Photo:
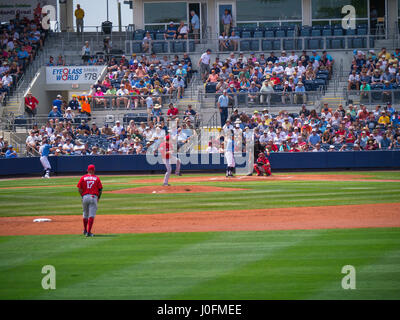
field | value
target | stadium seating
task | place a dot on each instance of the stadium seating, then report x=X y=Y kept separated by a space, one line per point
x=314 y=37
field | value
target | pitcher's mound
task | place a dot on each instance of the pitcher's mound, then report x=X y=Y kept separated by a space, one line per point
x=174 y=189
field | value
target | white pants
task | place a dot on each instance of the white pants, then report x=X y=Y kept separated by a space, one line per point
x=230 y=159
x=167 y=163
x=89 y=204
x=45 y=162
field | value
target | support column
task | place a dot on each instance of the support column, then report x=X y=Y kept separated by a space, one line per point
x=306 y=12
x=138 y=14
x=66 y=16
x=392 y=12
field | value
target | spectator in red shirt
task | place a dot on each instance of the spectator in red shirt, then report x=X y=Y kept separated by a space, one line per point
x=363 y=113
x=172 y=112
x=275 y=79
x=31 y=105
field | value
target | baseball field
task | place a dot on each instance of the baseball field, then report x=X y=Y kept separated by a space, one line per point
x=205 y=237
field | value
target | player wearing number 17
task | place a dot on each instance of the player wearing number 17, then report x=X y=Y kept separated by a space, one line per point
x=90 y=189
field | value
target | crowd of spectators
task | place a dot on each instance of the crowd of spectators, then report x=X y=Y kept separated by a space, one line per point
x=88 y=138
x=146 y=82
x=375 y=71
x=260 y=76
x=20 y=40
x=334 y=129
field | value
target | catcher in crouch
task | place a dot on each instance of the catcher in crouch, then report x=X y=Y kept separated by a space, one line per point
x=262 y=165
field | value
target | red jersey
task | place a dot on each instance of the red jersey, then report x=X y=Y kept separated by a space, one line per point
x=341 y=132
x=164 y=148
x=172 y=112
x=263 y=160
x=90 y=184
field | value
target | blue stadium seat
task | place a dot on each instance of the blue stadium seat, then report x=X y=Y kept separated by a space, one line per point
x=288 y=44
x=241 y=97
x=362 y=32
x=309 y=85
x=136 y=47
x=350 y=32
x=322 y=75
x=245 y=45
x=290 y=33
x=320 y=82
x=254 y=45
x=191 y=46
x=158 y=47
x=371 y=42
x=266 y=45
x=178 y=46
x=337 y=32
x=314 y=43
x=305 y=32
x=323 y=72
x=258 y=34
x=276 y=45
x=269 y=34
x=326 y=32
x=280 y=33
x=358 y=43
x=246 y=34
x=138 y=35
x=159 y=36
x=315 y=32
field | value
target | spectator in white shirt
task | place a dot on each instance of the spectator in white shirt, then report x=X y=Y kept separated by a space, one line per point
x=293 y=57
x=183 y=31
x=79 y=147
x=68 y=147
x=122 y=93
x=289 y=69
x=283 y=58
x=211 y=148
x=117 y=128
x=278 y=69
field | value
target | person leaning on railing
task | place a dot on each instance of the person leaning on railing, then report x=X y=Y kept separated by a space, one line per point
x=111 y=92
x=365 y=91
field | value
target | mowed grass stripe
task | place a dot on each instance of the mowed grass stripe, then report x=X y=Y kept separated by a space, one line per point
x=167 y=275
x=220 y=265
x=89 y=260
x=56 y=201
x=307 y=270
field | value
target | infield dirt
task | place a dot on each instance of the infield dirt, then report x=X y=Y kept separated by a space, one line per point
x=328 y=217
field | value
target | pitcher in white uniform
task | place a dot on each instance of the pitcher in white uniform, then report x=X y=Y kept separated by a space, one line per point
x=229 y=149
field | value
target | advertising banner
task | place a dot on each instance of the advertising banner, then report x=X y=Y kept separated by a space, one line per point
x=73 y=74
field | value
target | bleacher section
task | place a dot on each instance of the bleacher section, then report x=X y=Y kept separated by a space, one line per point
x=267 y=39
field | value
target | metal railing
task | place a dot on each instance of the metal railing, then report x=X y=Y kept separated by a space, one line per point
x=296 y=43
x=373 y=96
x=137 y=102
x=24 y=124
x=273 y=99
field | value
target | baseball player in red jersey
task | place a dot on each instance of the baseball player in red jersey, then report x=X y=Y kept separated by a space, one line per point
x=166 y=151
x=262 y=165
x=90 y=188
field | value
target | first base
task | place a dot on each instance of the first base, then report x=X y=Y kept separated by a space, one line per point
x=42 y=220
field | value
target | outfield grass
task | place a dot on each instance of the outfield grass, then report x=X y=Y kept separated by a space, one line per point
x=218 y=265
x=62 y=197
x=301 y=264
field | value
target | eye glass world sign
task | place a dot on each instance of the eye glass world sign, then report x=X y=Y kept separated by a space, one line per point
x=73 y=74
